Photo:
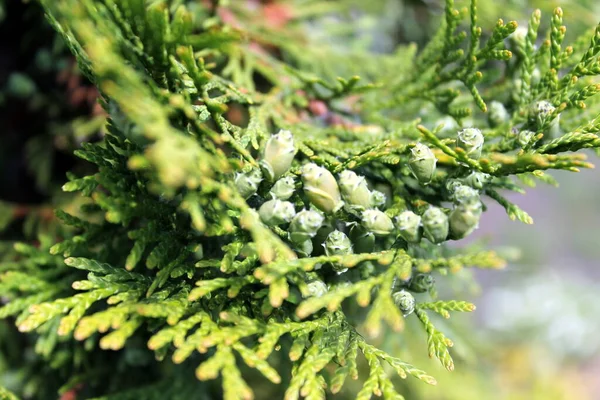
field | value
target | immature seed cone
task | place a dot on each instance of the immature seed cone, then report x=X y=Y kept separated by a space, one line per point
x=452 y=185
x=284 y=188
x=278 y=155
x=541 y=112
x=378 y=199
x=377 y=222
x=338 y=244
x=404 y=301
x=421 y=283
x=526 y=138
x=276 y=212
x=363 y=241
x=355 y=190
x=449 y=125
x=497 y=114
x=316 y=288
x=304 y=226
x=409 y=226
x=435 y=225
x=305 y=249
x=247 y=182
x=519 y=35
x=464 y=219
x=321 y=188
x=466 y=195
x=422 y=163
x=470 y=140
x=476 y=179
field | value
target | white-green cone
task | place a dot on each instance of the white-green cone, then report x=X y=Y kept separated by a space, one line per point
x=305 y=249
x=338 y=244
x=404 y=301
x=278 y=155
x=316 y=288
x=471 y=141
x=377 y=222
x=497 y=114
x=247 y=183
x=355 y=190
x=464 y=219
x=452 y=185
x=519 y=35
x=409 y=226
x=378 y=199
x=304 y=226
x=465 y=195
x=421 y=283
x=435 y=225
x=276 y=212
x=422 y=163
x=477 y=179
x=321 y=188
x=284 y=188
x=526 y=138
x=542 y=111
x=449 y=124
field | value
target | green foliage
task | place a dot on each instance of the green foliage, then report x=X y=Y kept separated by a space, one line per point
x=166 y=247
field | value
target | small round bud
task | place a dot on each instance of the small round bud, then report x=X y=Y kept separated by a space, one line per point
x=276 y=212
x=355 y=190
x=497 y=114
x=378 y=199
x=305 y=249
x=409 y=226
x=377 y=222
x=421 y=283
x=321 y=188
x=247 y=183
x=283 y=189
x=337 y=244
x=404 y=301
x=543 y=108
x=519 y=34
x=526 y=138
x=541 y=112
x=363 y=241
x=463 y=220
x=278 y=155
x=304 y=226
x=435 y=225
x=471 y=141
x=464 y=194
x=452 y=185
x=477 y=179
x=449 y=124
x=316 y=288
x=422 y=163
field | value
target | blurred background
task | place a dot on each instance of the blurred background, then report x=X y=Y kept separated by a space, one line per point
x=536 y=325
